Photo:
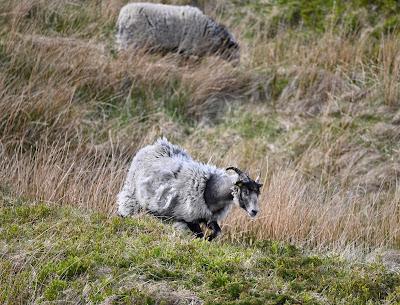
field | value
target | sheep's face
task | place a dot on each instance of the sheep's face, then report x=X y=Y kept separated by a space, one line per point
x=227 y=46
x=230 y=50
x=247 y=193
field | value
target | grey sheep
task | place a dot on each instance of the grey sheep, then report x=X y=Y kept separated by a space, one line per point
x=166 y=182
x=172 y=28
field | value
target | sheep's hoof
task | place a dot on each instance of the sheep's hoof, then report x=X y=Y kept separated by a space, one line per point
x=199 y=235
x=211 y=237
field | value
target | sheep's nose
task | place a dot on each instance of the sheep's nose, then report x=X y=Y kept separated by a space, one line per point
x=254 y=212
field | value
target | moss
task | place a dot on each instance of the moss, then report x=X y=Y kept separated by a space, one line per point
x=54 y=289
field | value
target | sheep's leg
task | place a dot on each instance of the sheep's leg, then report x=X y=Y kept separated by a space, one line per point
x=195 y=228
x=186 y=226
x=127 y=203
x=216 y=230
x=181 y=226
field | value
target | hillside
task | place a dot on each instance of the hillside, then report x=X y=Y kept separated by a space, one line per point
x=59 y=255
x=313 y=104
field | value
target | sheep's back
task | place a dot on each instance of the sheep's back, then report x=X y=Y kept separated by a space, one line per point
x=168 y=182
x=167 y=27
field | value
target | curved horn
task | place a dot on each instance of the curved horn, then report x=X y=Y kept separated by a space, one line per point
x=238 y=171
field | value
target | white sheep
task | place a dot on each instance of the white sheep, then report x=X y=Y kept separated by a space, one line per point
x=172 y=28
x=166 y=182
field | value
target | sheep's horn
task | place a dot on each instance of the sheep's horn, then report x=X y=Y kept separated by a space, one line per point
x=238 y=171
x=258 y=177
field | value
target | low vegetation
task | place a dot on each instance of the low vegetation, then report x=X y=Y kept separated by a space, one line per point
x=313 y=104
x=52 y=254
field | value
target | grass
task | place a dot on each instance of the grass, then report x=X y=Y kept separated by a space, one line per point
x=52 y=253
x=306 y=106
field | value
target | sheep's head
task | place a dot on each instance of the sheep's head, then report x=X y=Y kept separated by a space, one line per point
x=226 y=45
x=231 y=50
x=246 y=192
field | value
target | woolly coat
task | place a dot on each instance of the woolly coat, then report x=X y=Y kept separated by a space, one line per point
x=164 y=180
x=171 y=28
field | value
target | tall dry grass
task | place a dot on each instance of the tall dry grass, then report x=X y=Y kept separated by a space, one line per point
x=60 y=174
x=72 y=114
x=293 y=209
x=322 y=217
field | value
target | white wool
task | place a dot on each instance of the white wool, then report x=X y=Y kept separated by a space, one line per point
x=171 y=28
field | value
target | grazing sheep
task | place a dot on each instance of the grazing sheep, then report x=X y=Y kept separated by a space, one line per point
x=166 y=182
x=171 y=28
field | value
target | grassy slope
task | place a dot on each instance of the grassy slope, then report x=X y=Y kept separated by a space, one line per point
x=57 y=253
x=68 y=128
x=73 y=111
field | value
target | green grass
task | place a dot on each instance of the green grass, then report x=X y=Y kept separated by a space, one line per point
x=317 y=16
x=52 y=253
x=252 y=125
